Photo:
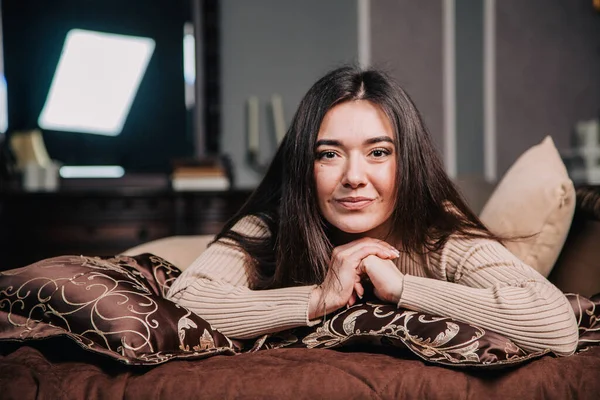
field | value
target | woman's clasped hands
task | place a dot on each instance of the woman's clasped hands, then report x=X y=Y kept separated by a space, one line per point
x=350 y=265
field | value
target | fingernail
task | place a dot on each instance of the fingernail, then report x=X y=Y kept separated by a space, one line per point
x=347 y=306
x=359 y=296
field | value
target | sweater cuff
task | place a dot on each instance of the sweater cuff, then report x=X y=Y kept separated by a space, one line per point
x=400 y=295
x=416 y=290
x=311 y=322
x=293 y=307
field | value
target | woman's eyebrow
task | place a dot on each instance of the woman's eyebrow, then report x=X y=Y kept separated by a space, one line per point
x=337 y=143
x=328 y=142
x=379 y=139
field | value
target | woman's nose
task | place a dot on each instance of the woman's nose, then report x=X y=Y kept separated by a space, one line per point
x=355 y=174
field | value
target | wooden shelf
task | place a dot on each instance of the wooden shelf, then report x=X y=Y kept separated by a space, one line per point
x=34 y=226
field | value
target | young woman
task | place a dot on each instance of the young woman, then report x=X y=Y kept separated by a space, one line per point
x=357 y=195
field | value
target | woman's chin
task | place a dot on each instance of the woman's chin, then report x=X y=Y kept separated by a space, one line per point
x=355 y=229
x=361 y=228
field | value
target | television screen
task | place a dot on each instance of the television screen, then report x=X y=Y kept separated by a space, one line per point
x=102 y=79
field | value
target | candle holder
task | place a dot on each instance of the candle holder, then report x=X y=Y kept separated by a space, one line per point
x=253 y=129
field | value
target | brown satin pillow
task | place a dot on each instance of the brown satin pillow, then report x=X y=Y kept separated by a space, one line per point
x=437 y=340
x=112 y=306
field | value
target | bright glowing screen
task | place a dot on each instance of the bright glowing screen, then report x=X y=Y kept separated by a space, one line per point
x=91 y=171
x=3 y=105
x=95 y=82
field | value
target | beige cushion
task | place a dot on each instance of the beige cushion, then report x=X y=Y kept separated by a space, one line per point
x=180 y=251
x=535 y=196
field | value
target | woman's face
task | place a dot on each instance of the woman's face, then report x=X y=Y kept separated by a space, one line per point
x=355 y=169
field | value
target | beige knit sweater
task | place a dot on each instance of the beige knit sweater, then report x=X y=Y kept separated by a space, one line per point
x=477 y=281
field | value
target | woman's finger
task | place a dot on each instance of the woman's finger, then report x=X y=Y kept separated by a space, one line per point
x=350 y=248
x=359 y=290
x=352 y=299
x=371 y=250
x=366 y=240
x=386 y=278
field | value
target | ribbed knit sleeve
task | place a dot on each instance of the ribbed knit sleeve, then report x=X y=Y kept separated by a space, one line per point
x=216 y=288
x=482 y=283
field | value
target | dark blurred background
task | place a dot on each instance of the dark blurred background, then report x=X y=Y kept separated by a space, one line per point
x=491 y=77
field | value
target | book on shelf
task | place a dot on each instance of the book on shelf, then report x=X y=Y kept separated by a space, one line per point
x=193 y=173
x=200 y=174
x=200 y=184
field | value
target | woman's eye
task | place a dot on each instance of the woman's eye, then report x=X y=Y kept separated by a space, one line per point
x=378 y=153
x=326 y=155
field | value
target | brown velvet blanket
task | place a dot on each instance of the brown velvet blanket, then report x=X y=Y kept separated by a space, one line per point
x=290 y=373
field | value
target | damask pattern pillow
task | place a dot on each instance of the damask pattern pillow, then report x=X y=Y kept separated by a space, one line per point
x=438 y=340
x=435 y=339
x=587 y=314
x=112 y=306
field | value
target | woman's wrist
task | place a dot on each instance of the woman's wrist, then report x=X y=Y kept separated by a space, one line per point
x=315 y=304
x=321 y=304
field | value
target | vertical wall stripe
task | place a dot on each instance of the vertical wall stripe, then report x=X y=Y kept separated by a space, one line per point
x=1 y=43
x=489 y=90
x=468 y=50
x=364 y=33
x=198 y=124
x=449 y=56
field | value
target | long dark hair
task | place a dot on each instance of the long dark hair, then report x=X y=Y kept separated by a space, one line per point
x=428 y=209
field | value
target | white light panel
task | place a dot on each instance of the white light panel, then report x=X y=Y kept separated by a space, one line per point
x=3 y=105
x=189 y=58
x=189 y=65
x=95 y=82
x=91 y=171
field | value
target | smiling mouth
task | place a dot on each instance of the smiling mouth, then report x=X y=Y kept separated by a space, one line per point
x=354 y=203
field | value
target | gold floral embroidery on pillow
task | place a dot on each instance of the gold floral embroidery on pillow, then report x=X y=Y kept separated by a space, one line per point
x=114 y=306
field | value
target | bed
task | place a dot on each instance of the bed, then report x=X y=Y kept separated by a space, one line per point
x=30 y=373
x=77 y=327
x=85 y=327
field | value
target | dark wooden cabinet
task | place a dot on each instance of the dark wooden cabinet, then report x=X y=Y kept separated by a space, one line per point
x=34 y=226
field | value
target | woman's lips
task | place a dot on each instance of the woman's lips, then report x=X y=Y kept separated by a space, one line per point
x=354 y=203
